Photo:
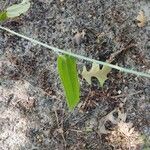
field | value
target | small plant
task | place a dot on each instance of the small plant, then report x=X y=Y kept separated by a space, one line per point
x=66 y=63
x=15 y=10
x=69 y=78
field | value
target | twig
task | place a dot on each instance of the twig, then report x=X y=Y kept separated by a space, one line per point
x=57 y=50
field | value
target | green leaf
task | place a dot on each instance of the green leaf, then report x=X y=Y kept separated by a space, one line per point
x=3 y=16
x=18 y=9
x=100 y=74
x=69 y=78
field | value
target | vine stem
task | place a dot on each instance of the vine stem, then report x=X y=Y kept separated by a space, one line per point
x=57 y=50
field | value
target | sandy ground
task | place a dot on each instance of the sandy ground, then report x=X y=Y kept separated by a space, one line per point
x=33 y=111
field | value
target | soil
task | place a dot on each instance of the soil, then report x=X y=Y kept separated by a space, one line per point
x=33 y=111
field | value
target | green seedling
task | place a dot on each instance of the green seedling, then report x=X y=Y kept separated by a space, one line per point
x=3 y=16
x=67 y=70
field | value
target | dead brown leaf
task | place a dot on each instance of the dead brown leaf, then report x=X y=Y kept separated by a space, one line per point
x=142 y=19
x=78 y=37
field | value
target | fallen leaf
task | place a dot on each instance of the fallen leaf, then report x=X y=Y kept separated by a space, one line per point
x=78 y=37
x=142 y=19
x=100 y=74
x=18 y=9
x=108 y=117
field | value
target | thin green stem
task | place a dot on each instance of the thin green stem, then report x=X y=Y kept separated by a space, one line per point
x=57 y=50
